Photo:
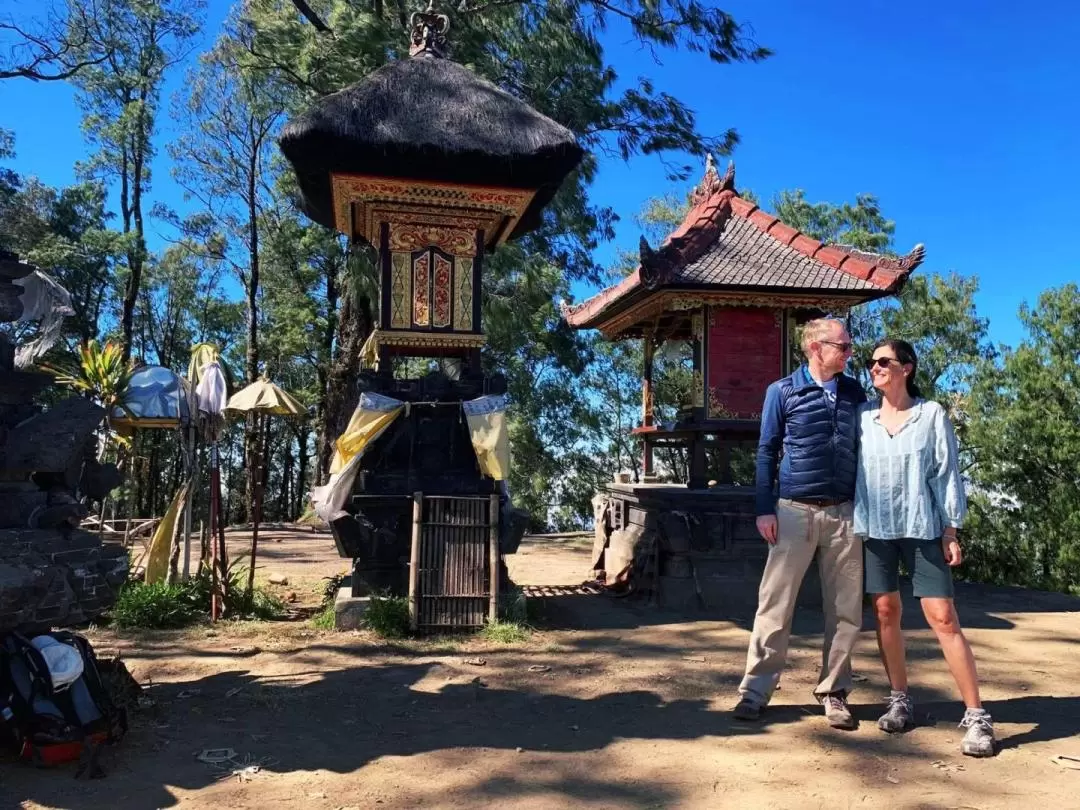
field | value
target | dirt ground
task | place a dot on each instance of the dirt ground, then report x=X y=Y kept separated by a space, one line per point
x=610 y=704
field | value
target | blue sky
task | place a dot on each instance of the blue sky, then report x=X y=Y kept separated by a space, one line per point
x=961 y=116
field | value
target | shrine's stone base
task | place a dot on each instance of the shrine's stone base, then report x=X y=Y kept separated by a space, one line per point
x=686 y=549
x=50 y=578
x=349 y=610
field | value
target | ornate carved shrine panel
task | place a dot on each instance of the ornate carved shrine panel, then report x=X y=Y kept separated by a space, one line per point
x=744 y=354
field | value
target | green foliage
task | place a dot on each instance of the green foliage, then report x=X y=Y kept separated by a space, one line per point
x=1024 y=437
x=937 y=315
x=155 y=606
x=387 y=616
x=861 y=225
x=103 y=374
x=324 y=619
x=506 y=632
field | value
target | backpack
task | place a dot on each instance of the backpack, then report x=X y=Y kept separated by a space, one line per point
x=48 y=726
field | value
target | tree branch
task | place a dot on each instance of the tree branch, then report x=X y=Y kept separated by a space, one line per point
x=312 y=17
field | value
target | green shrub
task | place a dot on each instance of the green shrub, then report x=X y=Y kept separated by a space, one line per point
x=155 y=605
x=324 y=619
x=161 y=606
x=503 y=632
x=388 y=616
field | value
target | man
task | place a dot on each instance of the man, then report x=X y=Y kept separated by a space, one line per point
x=811 y=415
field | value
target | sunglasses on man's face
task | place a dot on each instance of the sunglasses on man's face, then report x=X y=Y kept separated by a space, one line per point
x=882 y=362
x=844 y=347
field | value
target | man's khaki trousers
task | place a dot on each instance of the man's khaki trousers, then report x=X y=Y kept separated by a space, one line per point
x=801 y=530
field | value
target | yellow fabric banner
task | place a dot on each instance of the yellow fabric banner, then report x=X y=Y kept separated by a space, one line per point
x=157 y=558
x=364 y=427
x=490 y=435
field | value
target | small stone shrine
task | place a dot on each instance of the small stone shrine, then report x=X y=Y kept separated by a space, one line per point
x=431 y=167
x=51 y=572
x=736 y=284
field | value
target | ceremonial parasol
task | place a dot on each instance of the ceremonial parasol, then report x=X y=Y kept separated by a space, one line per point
x=262 y=398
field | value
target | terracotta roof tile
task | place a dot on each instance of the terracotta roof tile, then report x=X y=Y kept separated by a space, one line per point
x=746 y=256
x=726 y=242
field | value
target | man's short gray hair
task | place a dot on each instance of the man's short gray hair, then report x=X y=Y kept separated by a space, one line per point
x=817 y=329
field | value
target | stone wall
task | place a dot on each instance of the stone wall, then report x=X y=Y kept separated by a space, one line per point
x=50 y=579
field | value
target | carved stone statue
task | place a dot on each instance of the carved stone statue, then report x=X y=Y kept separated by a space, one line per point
x=51 y=572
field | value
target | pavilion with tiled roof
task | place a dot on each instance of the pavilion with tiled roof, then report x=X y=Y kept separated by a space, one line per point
x=736 y=282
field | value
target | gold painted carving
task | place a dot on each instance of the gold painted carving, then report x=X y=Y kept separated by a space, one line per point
x=421 y=306
x=379 y=199
x=449 y=340
x=697 y=393
x=717 y=409
x=441 y=280
x=697 y=325
x=399 y=291
x=463 y=294
x=407 y=237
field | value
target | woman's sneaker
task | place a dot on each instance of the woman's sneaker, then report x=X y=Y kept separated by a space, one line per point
x=837 y=712
x=900 y=714
x=979 y=738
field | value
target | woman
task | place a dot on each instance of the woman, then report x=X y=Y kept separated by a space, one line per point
x=909 y=502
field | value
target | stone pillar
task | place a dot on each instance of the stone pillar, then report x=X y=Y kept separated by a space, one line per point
x=51 y=572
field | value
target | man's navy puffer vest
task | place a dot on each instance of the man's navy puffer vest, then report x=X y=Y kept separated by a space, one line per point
x=820 y=443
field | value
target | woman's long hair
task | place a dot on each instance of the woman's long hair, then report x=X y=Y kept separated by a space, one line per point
x=905 y=354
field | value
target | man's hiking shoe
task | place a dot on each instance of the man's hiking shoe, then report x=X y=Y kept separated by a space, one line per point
x=979 y=738
x=836 y=710
x=747 y=709
x=900 y=714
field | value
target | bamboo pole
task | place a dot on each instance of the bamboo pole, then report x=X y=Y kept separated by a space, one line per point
x=414 y=560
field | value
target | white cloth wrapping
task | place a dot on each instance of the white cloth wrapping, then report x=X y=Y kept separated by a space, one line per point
x=211 y=392
x=45 y=301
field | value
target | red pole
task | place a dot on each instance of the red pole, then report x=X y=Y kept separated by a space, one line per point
x=215 y=496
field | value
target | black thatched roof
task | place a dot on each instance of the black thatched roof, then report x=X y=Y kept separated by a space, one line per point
x=428 y=118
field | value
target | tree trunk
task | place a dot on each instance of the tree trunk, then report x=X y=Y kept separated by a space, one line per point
x=251 y=435
x=354 y=326
x=285 y=485
x=300 y=495
x=136 y=255
x=324 y=439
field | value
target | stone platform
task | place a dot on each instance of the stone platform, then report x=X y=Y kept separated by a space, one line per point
x=691 y=548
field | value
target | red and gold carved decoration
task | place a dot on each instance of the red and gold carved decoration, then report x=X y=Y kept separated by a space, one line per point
x=463 y=294
x=440 y=292
x=744 y=355
x=362 y=203
x=399 y=291
x=697 y=391
x=421 y=303
x=409 y=237
x=441 y=340
x=634 y=320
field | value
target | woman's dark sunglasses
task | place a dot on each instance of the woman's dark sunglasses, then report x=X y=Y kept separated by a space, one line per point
x=882 y=362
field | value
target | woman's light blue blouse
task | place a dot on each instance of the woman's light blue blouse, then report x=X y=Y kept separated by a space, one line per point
x=908 y=485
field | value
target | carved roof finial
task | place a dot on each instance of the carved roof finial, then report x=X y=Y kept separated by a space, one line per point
x=428 y=32
x=712 y=183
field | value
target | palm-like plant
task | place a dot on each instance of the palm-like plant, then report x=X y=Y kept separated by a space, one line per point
x=101 y=374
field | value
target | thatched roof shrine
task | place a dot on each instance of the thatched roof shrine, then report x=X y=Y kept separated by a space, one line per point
x=428 y=118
